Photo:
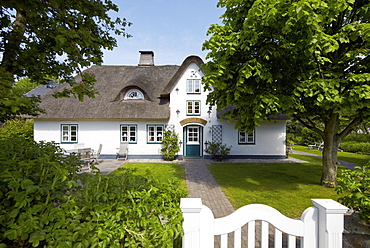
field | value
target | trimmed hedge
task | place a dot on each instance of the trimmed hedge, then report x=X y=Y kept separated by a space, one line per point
x=356 y=143
x=355 y=147
x=365 y=138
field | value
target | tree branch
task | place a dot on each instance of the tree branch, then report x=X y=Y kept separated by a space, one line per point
x=11 y=48
x=355 y=122
x=311 y=126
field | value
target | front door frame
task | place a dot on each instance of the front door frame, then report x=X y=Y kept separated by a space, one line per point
x=191 y=148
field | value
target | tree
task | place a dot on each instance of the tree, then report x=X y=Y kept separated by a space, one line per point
x=43 y=39
x=308 y=59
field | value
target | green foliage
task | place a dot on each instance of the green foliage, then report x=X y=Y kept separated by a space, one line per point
x=13 y=101
x=357 y=143
x=77 y=31
x=218 y=151
x=170 y=145
x=25 y=85
x=310 y=137
x=45 y=203
x=365 y=138
x=356 y=147
x=355 y=186
x=308 y=59
x=17 y=128
x=294 y=138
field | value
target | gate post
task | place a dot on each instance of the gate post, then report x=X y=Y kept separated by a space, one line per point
x=191 y=208
x=331 y=222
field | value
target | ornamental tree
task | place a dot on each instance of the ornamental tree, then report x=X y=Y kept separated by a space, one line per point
x=43 y=39
x=308 y=59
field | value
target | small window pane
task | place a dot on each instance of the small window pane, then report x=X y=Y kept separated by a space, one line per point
x=190 y=107
x=196 y=86
x=190 y=86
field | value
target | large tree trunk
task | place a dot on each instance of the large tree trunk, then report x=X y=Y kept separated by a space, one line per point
x=329 y=162
x=330 y=151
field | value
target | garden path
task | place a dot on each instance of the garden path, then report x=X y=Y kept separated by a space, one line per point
x=348 y=165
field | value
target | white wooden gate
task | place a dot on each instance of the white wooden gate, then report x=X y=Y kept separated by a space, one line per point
x=319 y=227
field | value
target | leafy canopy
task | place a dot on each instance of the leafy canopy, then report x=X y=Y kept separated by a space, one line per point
x=306 y=58
x=54 y=38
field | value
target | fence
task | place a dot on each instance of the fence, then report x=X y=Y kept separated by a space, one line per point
x=319 y=227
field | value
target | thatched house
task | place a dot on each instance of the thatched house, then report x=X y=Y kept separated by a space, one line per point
x=137 y=103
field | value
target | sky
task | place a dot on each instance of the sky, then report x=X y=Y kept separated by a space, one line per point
x=172 y=29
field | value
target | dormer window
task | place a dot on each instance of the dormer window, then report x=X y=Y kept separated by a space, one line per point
x=134 y=95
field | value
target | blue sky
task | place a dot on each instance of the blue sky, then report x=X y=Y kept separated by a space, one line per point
x=173 y=29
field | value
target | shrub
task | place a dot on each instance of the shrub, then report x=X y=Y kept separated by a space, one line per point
x=45 y=203
x=310 y=137
x=17 y=128
x=294 y=138
x=217 y=151
x=170 y=145
x=356 y=187
x=365 y=138
x=355 y=147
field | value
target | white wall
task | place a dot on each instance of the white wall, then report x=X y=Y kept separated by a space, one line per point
x=93 y=133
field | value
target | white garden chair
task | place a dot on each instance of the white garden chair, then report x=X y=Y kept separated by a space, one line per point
x=122 y=150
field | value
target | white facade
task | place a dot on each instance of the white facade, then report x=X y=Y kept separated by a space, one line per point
x=269 y=137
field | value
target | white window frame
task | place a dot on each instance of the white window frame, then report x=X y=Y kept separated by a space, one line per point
x=245 y=138
x=155 y=133
x=192 y=105
x=128 y=133
x=69 y=133
x=193 y=86
x=190 y=138
x=134 y=94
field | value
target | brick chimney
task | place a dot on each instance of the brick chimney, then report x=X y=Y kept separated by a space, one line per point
x=146 y=58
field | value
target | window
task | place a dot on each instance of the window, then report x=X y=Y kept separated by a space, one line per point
x=246 y=138
x=193 y=107
x=129 y=133
x=134 y=95
x=193 y=135
x=155 y=133
x=69 y=133
x=193 y=86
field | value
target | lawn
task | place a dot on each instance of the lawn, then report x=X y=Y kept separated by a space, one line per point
x=288 y=187
x=161 y=171
x=359 y=159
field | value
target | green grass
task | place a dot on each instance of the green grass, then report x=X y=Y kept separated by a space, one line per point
x=288 y=187
x=160 y=171
x=359 y=159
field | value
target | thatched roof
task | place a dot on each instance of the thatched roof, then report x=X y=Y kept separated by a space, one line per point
x=112 y=82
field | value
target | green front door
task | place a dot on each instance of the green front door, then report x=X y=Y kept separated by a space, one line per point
x=193 y=139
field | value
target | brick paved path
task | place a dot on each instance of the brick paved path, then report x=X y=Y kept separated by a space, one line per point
x=201 y=184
